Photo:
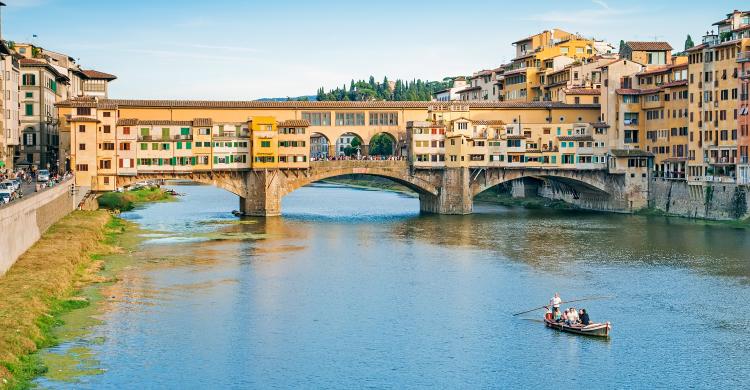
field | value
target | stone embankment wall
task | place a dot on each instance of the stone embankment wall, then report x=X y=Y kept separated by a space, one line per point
x=710 y=201
x=23 y=222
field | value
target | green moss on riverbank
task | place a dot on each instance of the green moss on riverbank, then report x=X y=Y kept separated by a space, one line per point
x=44 y=284
x=126 y=201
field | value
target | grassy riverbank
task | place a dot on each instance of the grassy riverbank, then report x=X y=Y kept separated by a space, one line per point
x=126 y=201
x=44 y=283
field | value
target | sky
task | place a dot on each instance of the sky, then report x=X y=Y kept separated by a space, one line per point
x=243 y=50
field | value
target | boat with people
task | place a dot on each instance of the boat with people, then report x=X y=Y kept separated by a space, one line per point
x=593 y=329
x=571 y=320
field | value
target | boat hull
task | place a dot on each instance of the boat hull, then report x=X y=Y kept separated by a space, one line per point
x=593 y=330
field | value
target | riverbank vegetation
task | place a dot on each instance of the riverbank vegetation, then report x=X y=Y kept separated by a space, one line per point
x=44 y=283
x=127 y=200
x=504 y=198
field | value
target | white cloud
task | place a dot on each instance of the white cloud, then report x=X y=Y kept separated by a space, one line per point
x=601 y=3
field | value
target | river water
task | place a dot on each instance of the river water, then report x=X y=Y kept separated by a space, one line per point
x=353 y=288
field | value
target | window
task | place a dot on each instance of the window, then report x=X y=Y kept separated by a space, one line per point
x=81 y=128
x=124 y=146
x=81 y=146
x=185 y=131
x=350 y=119
x=29 y=95
x=29 y=109
x=126 y=130
x=28 y=79
x=265 y=144
x=144 y=146
x=105 y=164
x=107 y=129
x=83 y=111
x=106 y=114
x=82 y=167
x=144 y=132
x=317 y=118
x=30 y=140
x=108 y=146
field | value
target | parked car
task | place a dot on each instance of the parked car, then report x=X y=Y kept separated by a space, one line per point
x=7 y=186
x=11 y=184
x=18 y=183
x=5 y=196
x=42 y=175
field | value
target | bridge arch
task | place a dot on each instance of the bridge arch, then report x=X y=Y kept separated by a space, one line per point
x=231 y=181
x=398 y=171
x=589 y=181
x=375 y=149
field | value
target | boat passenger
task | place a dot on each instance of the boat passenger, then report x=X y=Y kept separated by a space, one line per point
x=555 y=301
x=585 y=320
x=572 y=316
x=556 y=315
x=564 y=316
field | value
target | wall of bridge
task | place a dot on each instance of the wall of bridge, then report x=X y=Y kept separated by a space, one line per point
x=23 y=222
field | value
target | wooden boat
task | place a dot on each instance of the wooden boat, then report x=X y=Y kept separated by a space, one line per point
x=595 y=330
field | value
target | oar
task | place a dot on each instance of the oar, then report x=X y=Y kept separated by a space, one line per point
x=570 y=301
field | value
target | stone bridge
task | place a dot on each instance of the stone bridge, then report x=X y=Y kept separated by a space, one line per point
x=441 y=191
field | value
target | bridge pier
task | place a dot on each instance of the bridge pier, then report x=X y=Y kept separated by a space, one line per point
x=455 y=194
x=263 y=194
x=524 y=187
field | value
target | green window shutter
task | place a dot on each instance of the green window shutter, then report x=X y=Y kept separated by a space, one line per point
x=216 y=160
x=165 y=133
x=144 y=132
x=193 y=160
x=173 y=160
x=179 y=145
x=188 y=145
x=154 y=146
x=29 y=109
x=161 y=162
x=144 y=146
x=185 y=131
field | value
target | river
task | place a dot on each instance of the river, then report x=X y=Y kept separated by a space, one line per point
x=353 y=288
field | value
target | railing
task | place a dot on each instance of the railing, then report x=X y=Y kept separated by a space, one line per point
x=743 y=56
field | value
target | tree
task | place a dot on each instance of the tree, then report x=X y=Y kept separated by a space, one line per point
x=622 y=46
x=689 y=42
x=381 y=145
x=354 y=145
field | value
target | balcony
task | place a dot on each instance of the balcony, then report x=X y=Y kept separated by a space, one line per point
x=630 y=122
x=743 y=56
x=183 y=137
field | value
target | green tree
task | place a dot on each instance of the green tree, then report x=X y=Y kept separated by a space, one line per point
x=689 y=42
x=622 y=46
x=381 y=145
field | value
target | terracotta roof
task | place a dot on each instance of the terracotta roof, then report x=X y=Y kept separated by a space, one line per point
x=661 y=69
x=301 y=105
x=106 y=106
x=575 y=138
x=83 y=119
x=630 y=153
x=203 y=122
x=35 y=62
x=600 y=125
x=294 y=123
x=515 y=71
x=492 y=122
x=648 y=46
x=127 y=122
x=678 y=83
x=628 y=91
x=470 y=89
x=96 y=75
x=156 y=123
x=583 y=91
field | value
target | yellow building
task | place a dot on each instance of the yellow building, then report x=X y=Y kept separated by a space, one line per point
x=524 y=78
x=265 y=142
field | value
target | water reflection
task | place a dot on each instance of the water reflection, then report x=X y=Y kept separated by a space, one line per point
x=355 y=289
